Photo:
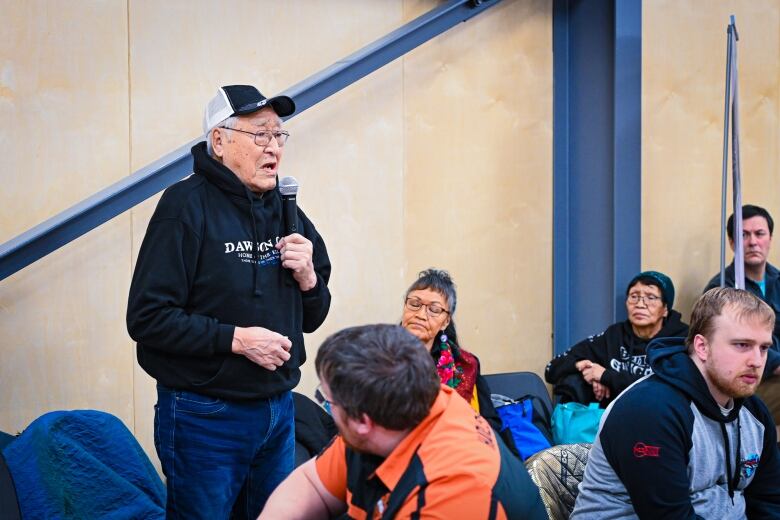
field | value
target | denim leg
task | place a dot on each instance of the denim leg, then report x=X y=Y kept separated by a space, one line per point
x=206 y=446
x=273 y=461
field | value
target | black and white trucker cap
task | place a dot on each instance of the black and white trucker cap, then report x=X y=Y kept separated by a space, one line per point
x=238 y=100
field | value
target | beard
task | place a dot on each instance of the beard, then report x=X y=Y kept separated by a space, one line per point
x=349 y=441
x=733 y=387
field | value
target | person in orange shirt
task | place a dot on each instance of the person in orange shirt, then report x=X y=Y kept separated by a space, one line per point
x=408 y=446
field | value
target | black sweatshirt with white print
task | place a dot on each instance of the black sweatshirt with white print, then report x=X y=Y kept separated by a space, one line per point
x=618 y=350
x=207 y=265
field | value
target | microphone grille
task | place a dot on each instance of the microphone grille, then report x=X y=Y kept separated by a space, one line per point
x=288 y=186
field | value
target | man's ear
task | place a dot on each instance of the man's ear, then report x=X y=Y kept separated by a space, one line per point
x=364 y=425
x=217 y=141
x=701 y=347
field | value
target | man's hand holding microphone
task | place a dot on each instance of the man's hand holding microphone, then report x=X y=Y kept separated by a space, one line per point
x=265 y=347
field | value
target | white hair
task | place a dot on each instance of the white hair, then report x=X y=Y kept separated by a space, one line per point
x=230 y=122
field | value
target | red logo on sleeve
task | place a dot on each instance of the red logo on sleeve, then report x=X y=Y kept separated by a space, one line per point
x=645 y=450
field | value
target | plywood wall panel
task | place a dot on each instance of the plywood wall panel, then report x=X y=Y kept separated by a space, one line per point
x=478 y=179
x=64 y=113
x=63 y=103
x=64 y=344
x=683 y=54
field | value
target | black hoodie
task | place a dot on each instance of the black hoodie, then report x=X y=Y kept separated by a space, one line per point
x=207 y=265
x=618 y=350
x=666 y=450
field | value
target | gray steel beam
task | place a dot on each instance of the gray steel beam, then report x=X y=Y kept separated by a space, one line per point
x=597 y=177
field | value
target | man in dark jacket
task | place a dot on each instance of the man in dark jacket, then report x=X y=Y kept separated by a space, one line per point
x=219 y=302
x=602 y=366
x=763 y=280
x=691 y=440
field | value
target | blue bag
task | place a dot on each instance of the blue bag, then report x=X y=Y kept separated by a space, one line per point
x=575 y=422
x=518 y=416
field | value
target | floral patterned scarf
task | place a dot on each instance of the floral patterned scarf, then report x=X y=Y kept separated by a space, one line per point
x=456 y=367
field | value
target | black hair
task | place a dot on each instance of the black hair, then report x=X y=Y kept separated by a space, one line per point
x=437 y=280
x=750 y=211
x=440 y=281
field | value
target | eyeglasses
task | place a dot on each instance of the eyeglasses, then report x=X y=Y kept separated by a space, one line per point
x=434 y=309
x=263 y=138
x=649 y=299
x=319 y=395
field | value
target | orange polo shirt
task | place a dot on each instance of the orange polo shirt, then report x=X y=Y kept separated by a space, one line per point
x=449 y=466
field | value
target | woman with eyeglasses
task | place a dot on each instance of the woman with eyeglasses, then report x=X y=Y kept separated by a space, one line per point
x=601 y=366
x=429 y=306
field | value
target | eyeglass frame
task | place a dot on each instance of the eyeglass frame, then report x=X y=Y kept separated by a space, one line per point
x=275 y=135
x=426 y=305
x=326 y=403
x=648 y=299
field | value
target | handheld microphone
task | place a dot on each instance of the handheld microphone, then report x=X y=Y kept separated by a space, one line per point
x=288 y=187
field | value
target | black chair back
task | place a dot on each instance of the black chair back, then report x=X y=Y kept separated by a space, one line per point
x=518 y=384
x=314 y=428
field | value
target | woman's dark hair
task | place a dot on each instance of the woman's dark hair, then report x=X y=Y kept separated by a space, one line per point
x=437 y=280
x=440 y=281
x=380 y=371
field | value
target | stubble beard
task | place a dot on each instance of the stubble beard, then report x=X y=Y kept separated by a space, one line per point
x=734 y=388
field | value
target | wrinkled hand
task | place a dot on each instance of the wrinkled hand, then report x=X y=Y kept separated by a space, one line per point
x=262 y=346
x=601 y=391
x=297 y=251
x=593 y=373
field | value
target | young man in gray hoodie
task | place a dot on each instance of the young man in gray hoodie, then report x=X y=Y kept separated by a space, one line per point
x=691 y=440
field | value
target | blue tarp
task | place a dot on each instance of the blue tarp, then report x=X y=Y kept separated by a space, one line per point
x=83 y=464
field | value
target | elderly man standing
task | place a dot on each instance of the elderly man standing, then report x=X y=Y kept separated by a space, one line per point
x=691 y=440
x=219 y=302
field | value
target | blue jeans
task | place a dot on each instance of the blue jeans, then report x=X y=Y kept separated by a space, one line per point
x=222 y=459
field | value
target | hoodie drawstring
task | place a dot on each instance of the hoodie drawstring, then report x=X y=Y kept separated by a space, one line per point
x=255 y=245
x=732 y=479
x=737 y=465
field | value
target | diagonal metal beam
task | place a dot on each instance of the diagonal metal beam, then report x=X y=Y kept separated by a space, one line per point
x=88 y=214
x=375 y=55
x=101 y=207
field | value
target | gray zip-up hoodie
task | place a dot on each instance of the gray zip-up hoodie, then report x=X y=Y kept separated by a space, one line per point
x=665 y=450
